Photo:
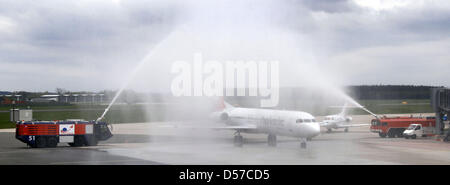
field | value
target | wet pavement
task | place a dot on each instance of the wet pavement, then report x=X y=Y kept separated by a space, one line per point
x=162 y=143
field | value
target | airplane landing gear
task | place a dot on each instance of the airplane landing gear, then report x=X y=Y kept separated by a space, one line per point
x=238 y=139
x=346 y=130
x=303 y=143
x=272 y=140
x=329 y=130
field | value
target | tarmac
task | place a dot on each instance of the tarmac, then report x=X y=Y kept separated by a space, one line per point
x=168 y=143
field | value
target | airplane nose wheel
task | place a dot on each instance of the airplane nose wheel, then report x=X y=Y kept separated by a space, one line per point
x=238 y=139
x=272 y=140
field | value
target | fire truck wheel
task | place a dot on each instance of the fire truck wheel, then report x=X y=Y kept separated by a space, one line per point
x=52 y=141
x=40 y=142
x=91 y=141
x=78 y=141
x=390 y=134
x=383 y=135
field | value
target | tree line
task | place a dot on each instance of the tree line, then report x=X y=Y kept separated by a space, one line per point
x=389 y=92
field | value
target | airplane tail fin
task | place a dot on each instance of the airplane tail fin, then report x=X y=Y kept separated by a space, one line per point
x=344 y=110
x=224 y=105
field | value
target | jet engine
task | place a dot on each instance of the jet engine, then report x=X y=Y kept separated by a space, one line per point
x=348 y=119
x=220 y=116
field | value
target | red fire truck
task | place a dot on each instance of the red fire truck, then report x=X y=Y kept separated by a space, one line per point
x=41 y=134
x=394 y=126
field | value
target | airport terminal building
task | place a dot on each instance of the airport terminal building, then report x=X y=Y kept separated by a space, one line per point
x=71 y=98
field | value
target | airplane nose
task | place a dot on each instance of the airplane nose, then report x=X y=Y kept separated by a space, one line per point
x=309 y=130
x=314 y=129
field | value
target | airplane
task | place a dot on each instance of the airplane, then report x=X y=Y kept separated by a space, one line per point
x=266 y=121
x=337 y=121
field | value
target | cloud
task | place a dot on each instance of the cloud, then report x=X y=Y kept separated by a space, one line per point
x=88 y=43
x=412 y=63
x=330 y=6
x=64 y=38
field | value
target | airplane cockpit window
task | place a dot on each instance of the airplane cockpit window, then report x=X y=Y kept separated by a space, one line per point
x=299 y=121
x=307 y=120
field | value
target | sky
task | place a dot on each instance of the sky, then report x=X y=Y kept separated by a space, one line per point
x=91 y=45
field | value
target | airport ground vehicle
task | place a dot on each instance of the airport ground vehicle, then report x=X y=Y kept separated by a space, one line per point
x=41 y=134
x=415 y=130
x=395 y=126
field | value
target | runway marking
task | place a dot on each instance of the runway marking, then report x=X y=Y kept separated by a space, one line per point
x=93 y=162
x=8 y=130
x=5 y=152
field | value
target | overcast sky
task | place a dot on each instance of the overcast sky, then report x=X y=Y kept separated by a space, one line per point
x=94 y=44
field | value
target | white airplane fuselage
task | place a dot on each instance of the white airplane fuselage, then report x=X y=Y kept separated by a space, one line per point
x=273 y=122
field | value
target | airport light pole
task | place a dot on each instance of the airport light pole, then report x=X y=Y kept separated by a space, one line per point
x=13 y=111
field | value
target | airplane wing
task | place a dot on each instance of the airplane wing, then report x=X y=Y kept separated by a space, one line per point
x=202 y=125
x=236 y=127
x=323 y=123
x=351 y=125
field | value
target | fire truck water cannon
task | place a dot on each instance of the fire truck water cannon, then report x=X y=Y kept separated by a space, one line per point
x=76 y=133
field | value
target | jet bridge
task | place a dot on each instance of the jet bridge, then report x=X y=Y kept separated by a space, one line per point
x=440 y=100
